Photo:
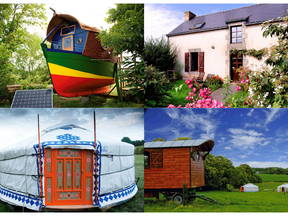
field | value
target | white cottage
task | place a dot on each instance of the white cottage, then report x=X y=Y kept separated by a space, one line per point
x=67 y=171
x=204 y=42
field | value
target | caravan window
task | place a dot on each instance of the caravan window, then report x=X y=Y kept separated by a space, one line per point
x=68 y=30
x=157 y=158
x=146 y=159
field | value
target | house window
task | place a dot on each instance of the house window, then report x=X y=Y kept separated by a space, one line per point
x=236 y=34
x=194 y=61
x=146 y=160
x=68 y=30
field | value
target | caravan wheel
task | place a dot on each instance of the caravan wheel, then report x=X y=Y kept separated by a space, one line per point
x=178 y=198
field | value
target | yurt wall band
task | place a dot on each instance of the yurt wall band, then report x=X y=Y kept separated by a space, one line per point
x=110 y=181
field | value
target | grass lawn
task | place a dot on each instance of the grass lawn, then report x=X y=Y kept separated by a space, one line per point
x=274 y=177
x=136 y=204
x=229 y=202
x=92 y=101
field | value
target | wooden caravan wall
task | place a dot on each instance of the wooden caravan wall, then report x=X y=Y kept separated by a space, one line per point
x=94 y=49
x=197 y=171
x=175 y=172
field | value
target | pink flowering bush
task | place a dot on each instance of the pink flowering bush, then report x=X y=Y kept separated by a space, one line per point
x=199 y=97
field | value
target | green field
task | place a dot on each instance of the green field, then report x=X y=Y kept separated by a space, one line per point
x=267 y=200
x=274 y=177
x=136 y=204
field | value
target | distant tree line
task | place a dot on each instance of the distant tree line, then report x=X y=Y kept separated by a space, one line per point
x=133 y=142
x=271 y=170
x=220 y=174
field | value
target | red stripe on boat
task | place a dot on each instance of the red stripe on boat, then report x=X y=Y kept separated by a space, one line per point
x=67 y=86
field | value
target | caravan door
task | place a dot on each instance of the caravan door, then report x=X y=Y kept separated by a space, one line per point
x=68 y=177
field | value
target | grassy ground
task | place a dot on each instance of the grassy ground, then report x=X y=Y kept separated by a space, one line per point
x=92 y=101
x=267 y=200
x=136 y=204
x=228 y=202
x=274 y=177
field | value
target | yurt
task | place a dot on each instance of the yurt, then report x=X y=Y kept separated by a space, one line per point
x=64 y=168
x=249 y=188
x=282 y=188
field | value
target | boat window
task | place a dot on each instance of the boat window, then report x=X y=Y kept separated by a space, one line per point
x=68 y=30
x=67 y=43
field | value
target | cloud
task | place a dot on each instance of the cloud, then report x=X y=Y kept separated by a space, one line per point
x=261 y=164
x=271 y=115
x=250 y=113
x=187 y=118
x=247 y=139
x=159 y=21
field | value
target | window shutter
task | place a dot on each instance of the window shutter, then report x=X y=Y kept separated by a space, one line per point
x=187 y=62
x=201 y=61
x=157 y=158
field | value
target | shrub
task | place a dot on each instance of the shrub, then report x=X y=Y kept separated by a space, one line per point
x=159 y=54
x=214 y=82
x=156 y=87
x=269 y=87
x=199 y=97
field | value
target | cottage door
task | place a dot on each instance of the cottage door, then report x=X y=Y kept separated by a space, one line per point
x=197 y=170
x=236 y=62
x=68 y=176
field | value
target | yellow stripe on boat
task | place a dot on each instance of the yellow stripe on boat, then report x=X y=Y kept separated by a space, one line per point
x=64 y=71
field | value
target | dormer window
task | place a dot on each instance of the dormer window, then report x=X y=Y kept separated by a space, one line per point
x=236 y=34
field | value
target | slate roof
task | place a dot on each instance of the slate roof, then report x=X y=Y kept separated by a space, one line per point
x=179 y=143
x=251 y=15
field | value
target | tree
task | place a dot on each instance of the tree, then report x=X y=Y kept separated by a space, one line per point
x=15 y=18
x=158 y=139
x=182 y=138
x=220 y=172
x=127 y=32
x=159 y=54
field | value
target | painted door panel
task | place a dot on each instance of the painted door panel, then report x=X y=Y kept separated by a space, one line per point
x=68 y=177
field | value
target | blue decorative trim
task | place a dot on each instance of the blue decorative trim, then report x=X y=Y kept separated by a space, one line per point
x=117 y=194
x=20 y=198
x=51 y=143
x=97 y=172
x=68 y=137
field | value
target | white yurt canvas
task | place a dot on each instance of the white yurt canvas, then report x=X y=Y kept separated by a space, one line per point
x=282 y=188
x=249 y=188
x=67 y=152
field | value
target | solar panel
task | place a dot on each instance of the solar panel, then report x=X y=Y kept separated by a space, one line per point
x=42 y=98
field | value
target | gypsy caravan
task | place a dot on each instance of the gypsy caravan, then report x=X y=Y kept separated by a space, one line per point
x=172 y=165
x=68 y=170
x=77 y=62
x=249 y=188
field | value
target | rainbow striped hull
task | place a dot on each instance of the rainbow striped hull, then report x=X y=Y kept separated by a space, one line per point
x=76 y=75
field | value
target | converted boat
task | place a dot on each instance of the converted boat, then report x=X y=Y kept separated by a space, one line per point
x=77 y=62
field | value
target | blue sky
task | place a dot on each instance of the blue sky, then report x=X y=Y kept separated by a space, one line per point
x=258 y=137
x=160 y=19
x=111 y=124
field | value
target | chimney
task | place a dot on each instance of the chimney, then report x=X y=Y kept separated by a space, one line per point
x=188 y=15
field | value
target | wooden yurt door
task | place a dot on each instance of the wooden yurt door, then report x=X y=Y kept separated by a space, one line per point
x=68 y=176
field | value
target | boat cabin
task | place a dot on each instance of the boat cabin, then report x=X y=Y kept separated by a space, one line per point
x=66 y=33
